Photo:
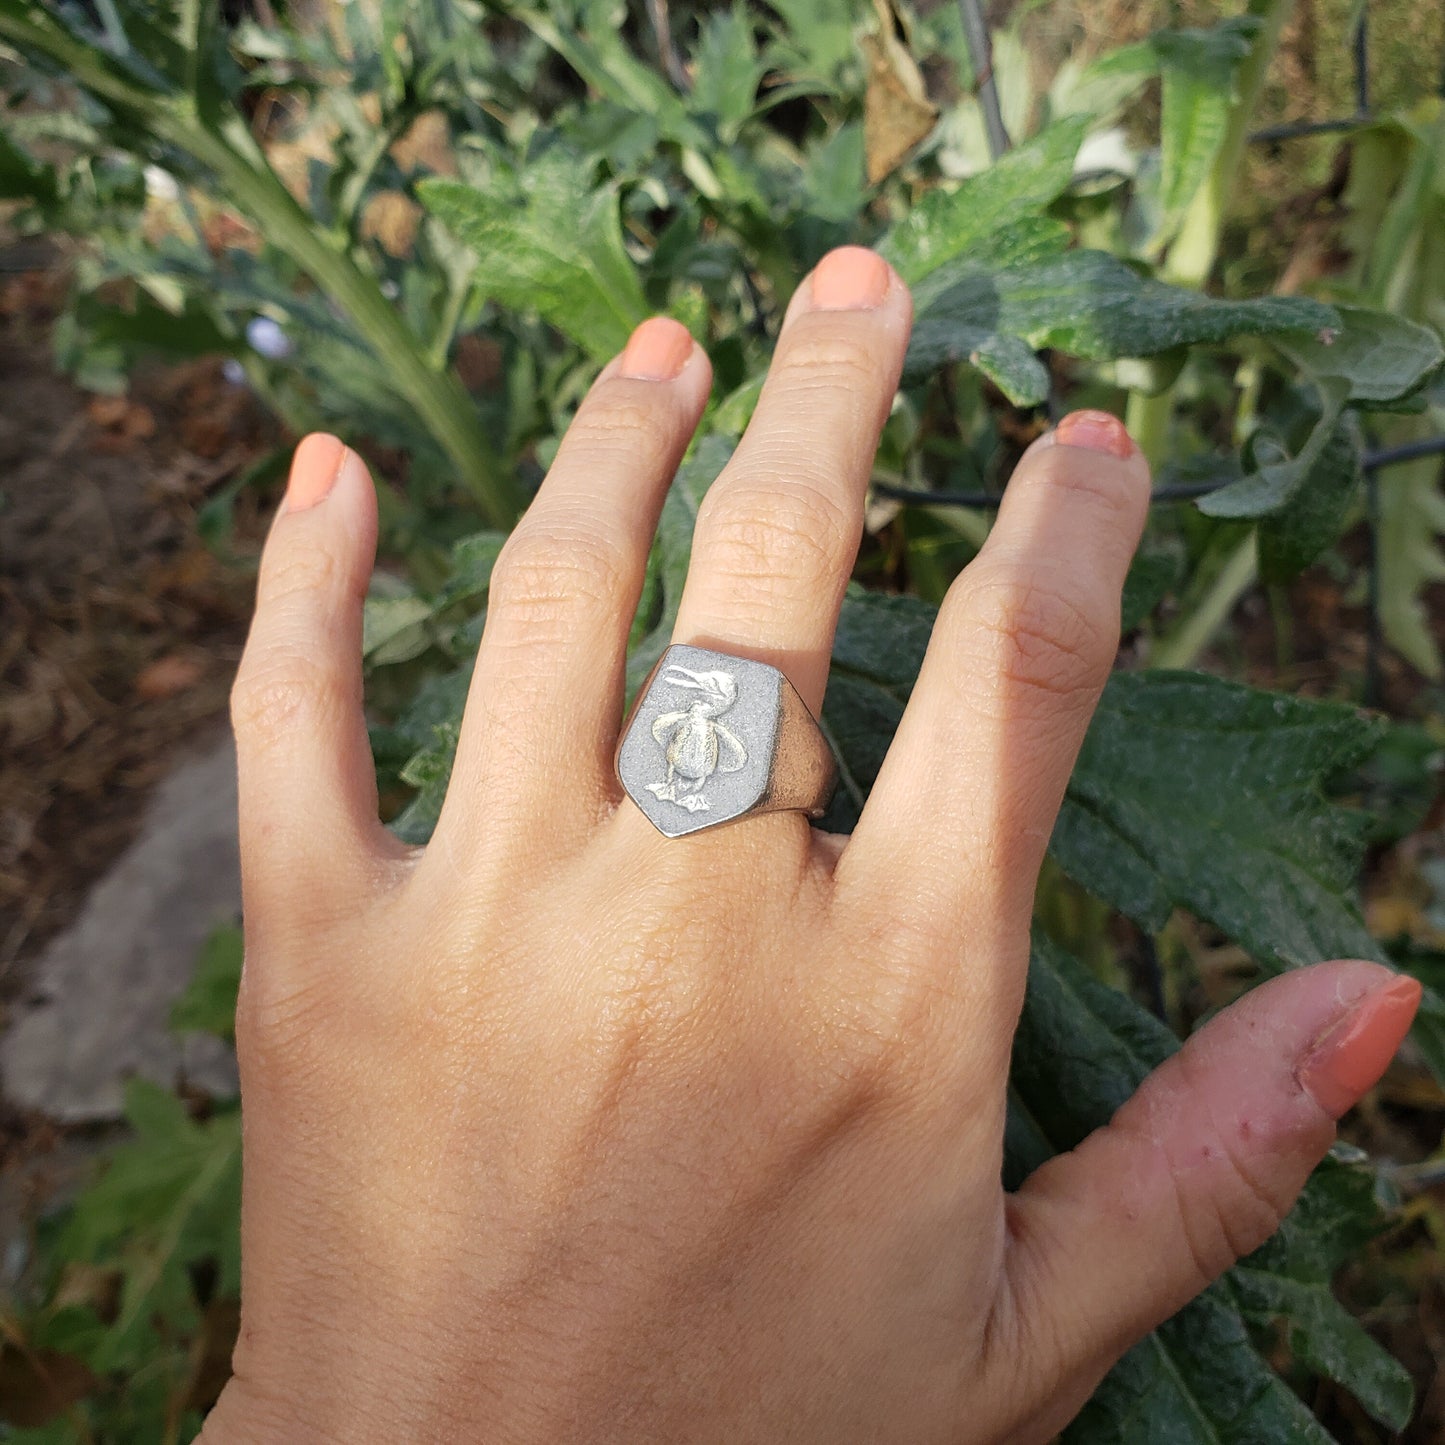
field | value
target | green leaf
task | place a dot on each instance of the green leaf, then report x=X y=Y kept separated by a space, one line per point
x=1266 y=857
x=1291 y=538
x=877 y=652
x=1197 y=1380
x=946 y=225
x=1080 y=1052
x=1383 y=358
x=472 y=561
x=209 y=1003
x=148 y=327
x=726 y=71
x=1279 y=478
x=1325 y=1338
x=1085 y=303
x=395 y=629
x=23 y=178
x=1199 y=70
x=551 y=244
x=165 y=1203
x=820 y=34
x=1368 y=360
x=1154 y=572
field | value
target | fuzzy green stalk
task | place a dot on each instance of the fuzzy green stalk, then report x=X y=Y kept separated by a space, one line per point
x=246 y=178
x=1196 y=630
x=1192 y=256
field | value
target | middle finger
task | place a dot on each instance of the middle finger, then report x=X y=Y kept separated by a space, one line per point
x=778 y=531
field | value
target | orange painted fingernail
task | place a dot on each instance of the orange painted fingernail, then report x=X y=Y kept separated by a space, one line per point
x=657 y=351
x=1352 y=1055
x=314 y=470
x=1095 y=431
x=852 y=278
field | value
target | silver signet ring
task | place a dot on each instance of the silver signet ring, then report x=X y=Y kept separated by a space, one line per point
x=713 y=738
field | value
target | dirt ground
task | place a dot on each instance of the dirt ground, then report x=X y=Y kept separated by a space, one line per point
x=119 y=630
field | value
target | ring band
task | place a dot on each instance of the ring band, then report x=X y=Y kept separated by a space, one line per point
x=713 y=738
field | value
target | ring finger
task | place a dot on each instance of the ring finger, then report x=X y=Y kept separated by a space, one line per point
x=778 y=531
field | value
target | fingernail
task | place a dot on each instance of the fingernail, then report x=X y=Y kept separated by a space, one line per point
x=1095 y=431
x=657 y=351
x=314 y=470
x=851 y=278
x=1353 y=1053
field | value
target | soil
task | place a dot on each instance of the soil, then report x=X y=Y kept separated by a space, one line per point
x=119 y=630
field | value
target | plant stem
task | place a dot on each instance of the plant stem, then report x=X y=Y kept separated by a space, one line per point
x=246 y=179
x=1192 y=256
x=1148 y=419
x=1197 y=630
x=458 y=294
x=439 y=398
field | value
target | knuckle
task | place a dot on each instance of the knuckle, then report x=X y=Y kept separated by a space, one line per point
x=1042 y=640
x=275 y=695
x=1244 y=1199
x=288 y=572
x=1106 y=485
x=617 y=428
x=829 y=357
x=278 y=1027
x=774 y=532
x=546 y=573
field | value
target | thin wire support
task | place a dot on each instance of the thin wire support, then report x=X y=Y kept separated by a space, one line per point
x=1373 y=463
x=980 y=53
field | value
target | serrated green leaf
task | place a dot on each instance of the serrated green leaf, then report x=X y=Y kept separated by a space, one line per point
x=472 y=561
x=1278 y=479
x=726 y=71
x=1370 y=360
x=1199 y=69
x=819 y=35
x=1085 y=303
x=429 y=772
x=1291 y=538
x=552 y=245
x=1266 y=857
x=946 y=225
x=1382 y=357
x=209 y=1003
x=166 y=1202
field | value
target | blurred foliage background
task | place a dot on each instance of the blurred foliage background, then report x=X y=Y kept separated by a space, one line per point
x=424 y=224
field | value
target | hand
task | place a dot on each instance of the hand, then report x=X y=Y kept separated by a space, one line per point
x=562 y=1131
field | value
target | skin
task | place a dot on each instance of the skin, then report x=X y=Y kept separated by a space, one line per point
x=562 y=1131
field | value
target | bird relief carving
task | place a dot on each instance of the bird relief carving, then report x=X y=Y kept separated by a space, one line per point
x=695 y=744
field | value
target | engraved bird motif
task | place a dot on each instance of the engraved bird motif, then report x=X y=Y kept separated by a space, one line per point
x=694 y=742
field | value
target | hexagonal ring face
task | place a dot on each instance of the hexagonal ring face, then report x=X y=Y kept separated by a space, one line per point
x=706 y=738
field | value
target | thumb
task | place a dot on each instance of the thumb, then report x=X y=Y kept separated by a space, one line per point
x=1198 y=1168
